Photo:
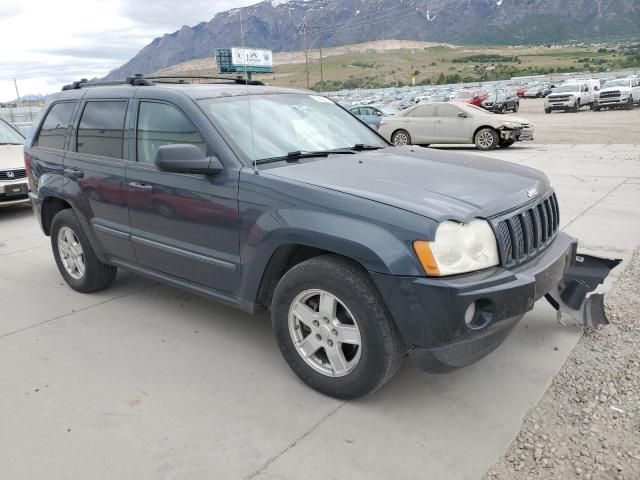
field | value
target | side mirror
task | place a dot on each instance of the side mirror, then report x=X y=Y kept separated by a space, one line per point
x=186 y=158
x=379 y=113
x=462 y=115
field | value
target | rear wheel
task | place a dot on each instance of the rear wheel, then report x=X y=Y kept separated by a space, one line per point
x=401 y=137
x=333 y=329
x=546 y=110
x=516 y=107
x=76 y=260
x=486 y=139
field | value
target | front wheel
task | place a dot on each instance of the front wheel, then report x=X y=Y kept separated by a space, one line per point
x=629 y=105
x=401 y=137
x=547 y=111
x=333 y=329
x=576 y=107
x=486 y=139
x=76 y=260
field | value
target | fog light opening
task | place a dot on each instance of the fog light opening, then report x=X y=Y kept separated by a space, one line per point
x=478 y=315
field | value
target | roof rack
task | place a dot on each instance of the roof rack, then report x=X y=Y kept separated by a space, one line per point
x=182 y=79
x=138 y=80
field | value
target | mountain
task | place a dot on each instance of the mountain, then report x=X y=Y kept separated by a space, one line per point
x=277 y=25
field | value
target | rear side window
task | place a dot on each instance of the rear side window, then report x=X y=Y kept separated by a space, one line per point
x=162 y=124
x=55 y=125
x=101 y=128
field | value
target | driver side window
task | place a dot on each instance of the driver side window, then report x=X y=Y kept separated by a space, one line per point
x=163 y=124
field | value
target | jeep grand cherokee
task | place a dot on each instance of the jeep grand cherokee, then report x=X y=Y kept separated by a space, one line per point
x=273 y=198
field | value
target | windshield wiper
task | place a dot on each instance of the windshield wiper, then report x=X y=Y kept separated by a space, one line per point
x=358 y=147
x=298 y=154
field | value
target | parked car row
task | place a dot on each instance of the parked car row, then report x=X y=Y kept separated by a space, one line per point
x=572 y=96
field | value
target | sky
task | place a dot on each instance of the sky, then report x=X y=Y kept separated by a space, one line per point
x=45 y=44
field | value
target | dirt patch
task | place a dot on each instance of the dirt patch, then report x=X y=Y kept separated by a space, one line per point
x=587 y=426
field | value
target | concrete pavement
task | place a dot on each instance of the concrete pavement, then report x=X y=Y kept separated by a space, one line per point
x=143 y=381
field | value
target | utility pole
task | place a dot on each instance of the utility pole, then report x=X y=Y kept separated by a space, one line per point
x=17 y=93
x=306 y=51
x=321 y=72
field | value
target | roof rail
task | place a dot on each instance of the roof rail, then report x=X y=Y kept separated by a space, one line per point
x=183 y=78
x=136 y=80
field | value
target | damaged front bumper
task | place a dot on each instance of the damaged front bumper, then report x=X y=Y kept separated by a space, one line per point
x=569 y=296
x=430 y=312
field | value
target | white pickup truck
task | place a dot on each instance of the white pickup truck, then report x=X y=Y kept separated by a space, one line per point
x=619 y=93
x=570 y=97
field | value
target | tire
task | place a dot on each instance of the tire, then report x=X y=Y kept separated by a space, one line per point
x=85 y=274
x=629 y=105
x=401 y=137
x=501 y=110
x=507 y=144
x=576 y=107
x=597 y=109
x=516 y=108
x=366 y=366
x=546 y=110
x=486 y=139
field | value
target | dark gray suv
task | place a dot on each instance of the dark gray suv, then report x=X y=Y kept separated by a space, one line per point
x=272 y=198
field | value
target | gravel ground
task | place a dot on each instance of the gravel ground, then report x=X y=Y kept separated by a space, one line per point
x=606 y=126
x=587 y=426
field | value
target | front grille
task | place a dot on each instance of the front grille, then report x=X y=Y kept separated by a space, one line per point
x=527 y=232
x=559 y=98
x=12 y=174
x=614 y=93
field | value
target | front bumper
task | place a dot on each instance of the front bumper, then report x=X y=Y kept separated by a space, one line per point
x=526 y=134
x=429 y=312
x=15 y=191
x=554 y=105
x=612 y=102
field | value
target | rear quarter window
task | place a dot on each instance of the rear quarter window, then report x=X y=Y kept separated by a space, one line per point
x=53 y=132
x=101 y=128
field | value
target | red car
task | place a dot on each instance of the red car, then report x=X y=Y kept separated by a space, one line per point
x=520 y=91
x=473 y=97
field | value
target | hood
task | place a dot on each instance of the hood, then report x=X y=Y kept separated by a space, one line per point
x=11 y=157
x=435 y=184
x=513 y=119
x=615 y=89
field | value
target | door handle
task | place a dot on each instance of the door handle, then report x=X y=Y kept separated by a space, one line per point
x=73 y=173
x=141 y=187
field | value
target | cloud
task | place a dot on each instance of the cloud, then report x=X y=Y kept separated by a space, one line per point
x=46 y=44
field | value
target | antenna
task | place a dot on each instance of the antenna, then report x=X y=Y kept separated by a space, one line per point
x=244 y=52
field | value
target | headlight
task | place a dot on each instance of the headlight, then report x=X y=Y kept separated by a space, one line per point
x=458 y=248
x=512 y=124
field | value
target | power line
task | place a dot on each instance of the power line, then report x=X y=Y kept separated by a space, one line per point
x=389 y=16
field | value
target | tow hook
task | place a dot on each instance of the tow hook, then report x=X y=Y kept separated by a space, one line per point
x=569 y=297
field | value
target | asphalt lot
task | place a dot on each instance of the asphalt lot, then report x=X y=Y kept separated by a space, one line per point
x=143 y=381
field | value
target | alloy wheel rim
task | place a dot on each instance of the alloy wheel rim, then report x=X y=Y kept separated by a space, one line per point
x=324 y=333
x=485 y=139
x=400 y=139
x=71 y=253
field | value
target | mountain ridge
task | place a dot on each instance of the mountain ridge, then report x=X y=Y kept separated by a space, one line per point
x=277 y=25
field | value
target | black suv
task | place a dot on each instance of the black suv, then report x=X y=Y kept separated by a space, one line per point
x=273 y=198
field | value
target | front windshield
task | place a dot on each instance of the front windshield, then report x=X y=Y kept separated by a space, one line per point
x=567 y=88
x=268 y=126
x=9 y=136
x=618 y=83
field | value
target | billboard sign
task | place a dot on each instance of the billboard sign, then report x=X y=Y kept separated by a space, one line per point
x=251 y=57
